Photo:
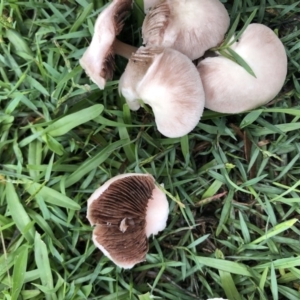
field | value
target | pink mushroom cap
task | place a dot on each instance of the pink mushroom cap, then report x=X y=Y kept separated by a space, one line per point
x=229 y=88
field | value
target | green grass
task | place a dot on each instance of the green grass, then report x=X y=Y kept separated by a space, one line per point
x=233 y=183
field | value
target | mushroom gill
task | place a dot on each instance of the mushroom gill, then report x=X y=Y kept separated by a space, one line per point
x=191 y=27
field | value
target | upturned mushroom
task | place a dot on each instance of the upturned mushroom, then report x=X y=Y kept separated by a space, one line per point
x=125 y=211
x=229 y=88
x=98 y=59
x=169 y=82
x=189 y=26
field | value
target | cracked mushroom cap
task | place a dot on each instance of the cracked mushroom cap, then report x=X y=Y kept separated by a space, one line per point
x=189 y=26
x=229 y=88
x=125 y=211
x=169 y=82
x=98 y=59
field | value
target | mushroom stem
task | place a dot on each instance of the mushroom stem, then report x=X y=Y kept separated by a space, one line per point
x=123 y=49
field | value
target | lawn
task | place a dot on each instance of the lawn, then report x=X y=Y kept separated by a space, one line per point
x=232 y=183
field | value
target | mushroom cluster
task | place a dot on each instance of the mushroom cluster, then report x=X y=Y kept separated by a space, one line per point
x=172 y=74
x=161 y=73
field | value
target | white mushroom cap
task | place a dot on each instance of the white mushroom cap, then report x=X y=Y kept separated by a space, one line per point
x=98 y=59
x=229 y=88
x=126 y=210
x=169 y=82
x=189 y=26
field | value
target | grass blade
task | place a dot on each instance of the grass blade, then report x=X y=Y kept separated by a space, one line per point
x=18 y=278
x=43 y=265
x=275 y=230
x=18 y=213
x=224 y=265
x=67 y=123
x=239 y=60
x=51 y=196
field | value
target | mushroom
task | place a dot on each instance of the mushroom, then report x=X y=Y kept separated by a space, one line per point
x=126 y=210
x=189 y=26
x=229 y=88
x=98 y=59
x=169 y=82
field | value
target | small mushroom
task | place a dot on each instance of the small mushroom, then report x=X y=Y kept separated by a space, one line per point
x=191 y=27
x=169 y=82
x=229 y=88
x=125 y=211
x=98 y=59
